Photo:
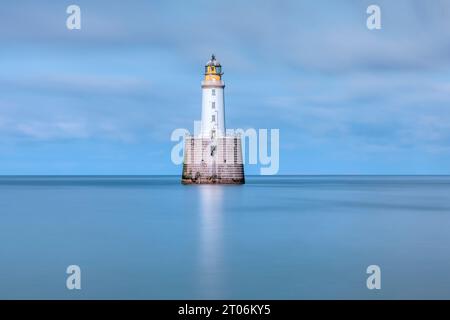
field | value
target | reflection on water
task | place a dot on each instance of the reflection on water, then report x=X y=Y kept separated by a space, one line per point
x=211 y=244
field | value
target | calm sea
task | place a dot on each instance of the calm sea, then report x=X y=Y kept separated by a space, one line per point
x=291 y=237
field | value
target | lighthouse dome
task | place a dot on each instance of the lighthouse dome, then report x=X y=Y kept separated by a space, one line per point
x=213 y=62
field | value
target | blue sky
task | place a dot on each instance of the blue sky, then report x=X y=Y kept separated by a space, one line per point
x=105 y=99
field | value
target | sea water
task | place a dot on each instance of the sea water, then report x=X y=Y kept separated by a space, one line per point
x=288 y=237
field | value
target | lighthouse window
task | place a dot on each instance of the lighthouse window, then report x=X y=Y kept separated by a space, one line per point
x=213 y=91
x=213 y=117
x=213 y=105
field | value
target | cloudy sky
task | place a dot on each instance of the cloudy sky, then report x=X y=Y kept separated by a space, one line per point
x=105 y=99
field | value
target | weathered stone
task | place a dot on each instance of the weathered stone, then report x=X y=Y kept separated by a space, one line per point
x=223 y=165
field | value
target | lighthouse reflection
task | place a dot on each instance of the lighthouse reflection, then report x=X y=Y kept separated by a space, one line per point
x=211 y=240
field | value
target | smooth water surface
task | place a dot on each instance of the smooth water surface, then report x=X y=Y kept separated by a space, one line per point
x=292 y=237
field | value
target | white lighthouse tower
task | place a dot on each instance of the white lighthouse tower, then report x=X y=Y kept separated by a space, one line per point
x=213 y=157
x=213 y=104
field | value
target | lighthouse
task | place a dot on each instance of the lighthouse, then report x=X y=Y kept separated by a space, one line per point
x=213 y=156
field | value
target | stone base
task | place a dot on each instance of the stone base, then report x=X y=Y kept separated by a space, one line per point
x=228 y=174
x=217 y=161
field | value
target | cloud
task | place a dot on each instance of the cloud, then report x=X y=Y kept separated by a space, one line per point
x=44 y=131
x=310 y=68
x=77 y=84
x=383 y=111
